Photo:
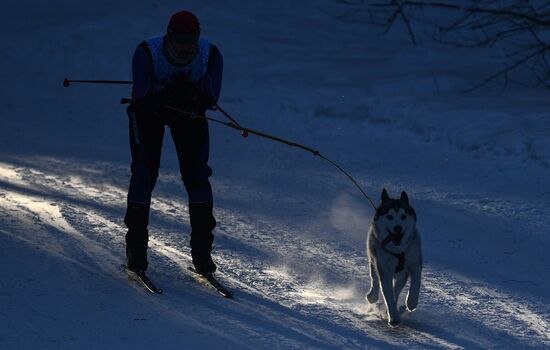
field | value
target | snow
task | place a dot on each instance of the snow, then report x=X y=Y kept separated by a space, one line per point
x=291 y=228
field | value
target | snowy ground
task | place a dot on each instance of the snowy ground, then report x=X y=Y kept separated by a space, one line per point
x=291 y=231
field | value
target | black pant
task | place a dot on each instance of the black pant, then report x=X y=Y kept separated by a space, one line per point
x=191 y=139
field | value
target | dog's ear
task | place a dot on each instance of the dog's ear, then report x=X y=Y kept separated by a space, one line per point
x=404 y=198
x=385 y=196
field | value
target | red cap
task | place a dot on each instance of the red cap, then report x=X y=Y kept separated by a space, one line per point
x=183 y=22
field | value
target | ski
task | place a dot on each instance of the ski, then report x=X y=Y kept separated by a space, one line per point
x=213 y=282
x=142 y=280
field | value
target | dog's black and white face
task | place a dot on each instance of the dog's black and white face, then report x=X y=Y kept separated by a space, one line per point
x=395 y=216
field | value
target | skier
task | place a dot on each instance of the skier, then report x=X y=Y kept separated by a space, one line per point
x=176 y=76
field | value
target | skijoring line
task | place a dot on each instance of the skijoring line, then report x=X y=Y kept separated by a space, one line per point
x=245 y=131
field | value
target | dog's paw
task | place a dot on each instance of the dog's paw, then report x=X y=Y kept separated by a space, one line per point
x=372 y=297
x=394 y=322
x=411 y=305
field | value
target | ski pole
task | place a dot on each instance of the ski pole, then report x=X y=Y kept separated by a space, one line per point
x=67 y=82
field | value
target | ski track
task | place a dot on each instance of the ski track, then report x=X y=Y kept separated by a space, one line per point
x=75 y=203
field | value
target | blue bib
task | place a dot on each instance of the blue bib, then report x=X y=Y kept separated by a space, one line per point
x=165 y=71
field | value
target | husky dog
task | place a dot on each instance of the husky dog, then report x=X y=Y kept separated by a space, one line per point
x=393 y=246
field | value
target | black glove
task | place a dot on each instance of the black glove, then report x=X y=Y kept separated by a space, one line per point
x=205 y=101
x=180 y=94
x=187 y=95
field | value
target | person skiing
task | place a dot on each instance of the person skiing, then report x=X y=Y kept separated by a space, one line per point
x=176 y=77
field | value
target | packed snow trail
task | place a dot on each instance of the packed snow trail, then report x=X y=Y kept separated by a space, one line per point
x=77 y=217
x=291 y=233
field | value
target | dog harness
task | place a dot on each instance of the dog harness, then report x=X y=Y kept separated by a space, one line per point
x=392 y=237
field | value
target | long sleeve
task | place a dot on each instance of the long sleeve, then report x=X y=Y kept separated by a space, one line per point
x=211 y=83
x=142 y=72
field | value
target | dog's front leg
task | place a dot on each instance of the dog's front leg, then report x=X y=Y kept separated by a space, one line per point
x=414 y=290
x=399 y=284
x=386 y=280
x=372 y=295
